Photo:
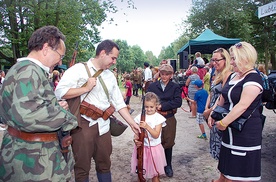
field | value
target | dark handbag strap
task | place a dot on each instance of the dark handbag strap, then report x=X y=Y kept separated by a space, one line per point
x=258 y=105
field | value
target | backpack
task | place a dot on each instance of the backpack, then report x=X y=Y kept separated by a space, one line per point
x=265 y=81
x=269 y=92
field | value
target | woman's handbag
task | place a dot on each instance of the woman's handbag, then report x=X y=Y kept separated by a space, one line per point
x=239 y=123
x=220 y=112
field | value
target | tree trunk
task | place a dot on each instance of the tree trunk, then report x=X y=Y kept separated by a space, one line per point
x=272 y=60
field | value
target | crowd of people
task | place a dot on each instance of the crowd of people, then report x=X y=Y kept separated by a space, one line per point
x=34 y=110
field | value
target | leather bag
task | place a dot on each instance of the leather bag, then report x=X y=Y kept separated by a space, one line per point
x=74 y=108
x=117 y=127
x=90 y=110
x=220 y=112
x=108 y=112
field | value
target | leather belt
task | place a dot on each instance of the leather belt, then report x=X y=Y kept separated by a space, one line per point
x=165 y=113
x=32 y=137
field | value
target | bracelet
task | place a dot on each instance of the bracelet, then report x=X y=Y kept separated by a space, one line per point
x=221 y=123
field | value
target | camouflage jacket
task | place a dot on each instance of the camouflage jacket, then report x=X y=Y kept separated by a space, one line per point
x=28 y=103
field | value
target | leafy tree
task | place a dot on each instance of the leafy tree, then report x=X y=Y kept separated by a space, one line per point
x=180 y=42
x=138 y=56
x=221 y=16
x=78 y=20
x=151 y=58
x=124 y=62
x=263 y=35
x=167 y=53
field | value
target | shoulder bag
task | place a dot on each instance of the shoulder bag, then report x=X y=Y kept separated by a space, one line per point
x=220 y=112
x=117 y=127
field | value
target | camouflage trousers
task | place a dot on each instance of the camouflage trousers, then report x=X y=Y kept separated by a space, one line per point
x=33 y=161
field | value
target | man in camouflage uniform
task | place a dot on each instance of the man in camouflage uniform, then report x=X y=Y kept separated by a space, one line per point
x=30 y=149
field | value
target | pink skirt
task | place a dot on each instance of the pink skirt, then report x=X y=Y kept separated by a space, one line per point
x=157 y=154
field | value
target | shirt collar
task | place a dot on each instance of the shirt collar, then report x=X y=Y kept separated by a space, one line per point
x=47 y=69
x=90 y=64
x=162 y=85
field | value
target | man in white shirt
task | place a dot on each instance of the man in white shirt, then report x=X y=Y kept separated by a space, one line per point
x=94 y=138
x=147 y=76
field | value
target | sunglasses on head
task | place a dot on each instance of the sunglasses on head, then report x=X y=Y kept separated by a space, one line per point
x=238 y=45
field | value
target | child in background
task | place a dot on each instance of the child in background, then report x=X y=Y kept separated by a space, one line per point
x=128 y=92
x=200 y=99
x=154 y=156
x=56 y=78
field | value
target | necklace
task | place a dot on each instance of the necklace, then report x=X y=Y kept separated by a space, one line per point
x=245 y=72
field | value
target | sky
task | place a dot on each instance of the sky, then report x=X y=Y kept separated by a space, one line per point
x=153 y=25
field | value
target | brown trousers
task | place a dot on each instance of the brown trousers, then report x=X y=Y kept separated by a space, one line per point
x=87 y=144
x=168 y=133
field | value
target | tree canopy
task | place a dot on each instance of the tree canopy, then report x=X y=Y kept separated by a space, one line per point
x=78 y=20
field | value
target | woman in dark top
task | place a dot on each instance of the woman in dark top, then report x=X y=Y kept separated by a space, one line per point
x=240 y=154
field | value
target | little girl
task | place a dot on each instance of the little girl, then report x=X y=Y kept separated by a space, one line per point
x=154 y=159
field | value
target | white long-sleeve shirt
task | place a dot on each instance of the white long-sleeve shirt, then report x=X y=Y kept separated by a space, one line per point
x=148 y=74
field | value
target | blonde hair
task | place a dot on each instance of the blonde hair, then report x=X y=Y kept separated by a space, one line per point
x=245 y=55
x=197 y=54
x=220 y=76
x=55 y=72
x=150 y=96
x=194 y=69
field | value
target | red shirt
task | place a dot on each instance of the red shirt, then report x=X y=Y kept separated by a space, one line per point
x=128 y=86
